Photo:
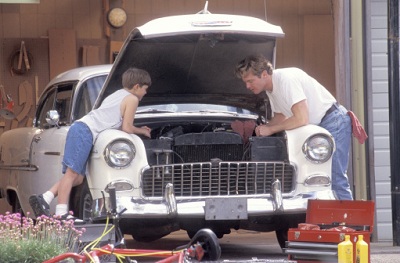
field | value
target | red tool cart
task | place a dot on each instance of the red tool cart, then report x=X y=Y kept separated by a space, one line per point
x=327 y=223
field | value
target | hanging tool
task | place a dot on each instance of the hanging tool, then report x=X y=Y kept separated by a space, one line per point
x=21 y=60
x=6 y=112
x=23 y=55
x=25 y=99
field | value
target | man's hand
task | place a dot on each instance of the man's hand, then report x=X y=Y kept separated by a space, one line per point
x=263 y=130
x=280 y=123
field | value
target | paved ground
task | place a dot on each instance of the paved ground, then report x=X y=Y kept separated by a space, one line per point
x=248 y=246
x=385 y=252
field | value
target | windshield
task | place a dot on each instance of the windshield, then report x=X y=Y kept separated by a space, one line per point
x=191 y=107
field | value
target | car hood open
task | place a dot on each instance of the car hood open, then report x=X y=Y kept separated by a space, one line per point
x=191 y=58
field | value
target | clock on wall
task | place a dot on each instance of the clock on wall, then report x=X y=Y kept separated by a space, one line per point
x=116 y=17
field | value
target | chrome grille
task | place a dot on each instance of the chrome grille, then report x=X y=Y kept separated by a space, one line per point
x=207 y=152
x=217 y=179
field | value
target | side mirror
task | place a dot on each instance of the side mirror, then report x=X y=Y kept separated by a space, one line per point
x=52 y=118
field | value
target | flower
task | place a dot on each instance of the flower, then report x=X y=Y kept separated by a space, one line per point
x=30 y=240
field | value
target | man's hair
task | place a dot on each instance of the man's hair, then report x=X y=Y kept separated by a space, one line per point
x=133 y=76
x=256 y=64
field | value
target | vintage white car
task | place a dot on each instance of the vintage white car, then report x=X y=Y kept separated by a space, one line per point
x=203 y=166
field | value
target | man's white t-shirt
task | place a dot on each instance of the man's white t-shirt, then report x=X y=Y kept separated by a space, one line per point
x=292 y=85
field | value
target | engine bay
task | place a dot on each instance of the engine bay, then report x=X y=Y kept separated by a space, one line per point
x=189 y=142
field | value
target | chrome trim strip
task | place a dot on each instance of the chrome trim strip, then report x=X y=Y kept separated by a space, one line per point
x=28 y=167
x=52 y=153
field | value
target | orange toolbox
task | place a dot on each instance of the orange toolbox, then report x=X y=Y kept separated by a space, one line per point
x=327 y=223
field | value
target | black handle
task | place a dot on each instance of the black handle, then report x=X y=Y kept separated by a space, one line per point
x=113 y=198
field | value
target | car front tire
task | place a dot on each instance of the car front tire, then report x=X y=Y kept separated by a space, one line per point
x=283 y=223
x=81 y=201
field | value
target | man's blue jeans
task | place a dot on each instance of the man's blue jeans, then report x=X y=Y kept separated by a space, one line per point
x=338 y=123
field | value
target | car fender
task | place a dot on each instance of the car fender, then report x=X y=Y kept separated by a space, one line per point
x=100 y=174
x=15 y=161
x=15 y=146
x=304 y=167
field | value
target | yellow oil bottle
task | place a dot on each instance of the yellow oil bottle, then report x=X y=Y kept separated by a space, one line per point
x=345 y=250
x=362 y=255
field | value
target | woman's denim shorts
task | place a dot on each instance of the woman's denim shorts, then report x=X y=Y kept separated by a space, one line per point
x=78 y=146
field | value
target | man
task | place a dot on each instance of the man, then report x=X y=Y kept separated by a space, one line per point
x=297 y=99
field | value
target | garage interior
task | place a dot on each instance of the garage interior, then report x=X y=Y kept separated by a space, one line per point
x=39 y=41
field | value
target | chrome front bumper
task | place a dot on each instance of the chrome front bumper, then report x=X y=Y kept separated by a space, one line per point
x=211 y=208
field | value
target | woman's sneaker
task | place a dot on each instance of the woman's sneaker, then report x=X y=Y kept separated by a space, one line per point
x=39 y=205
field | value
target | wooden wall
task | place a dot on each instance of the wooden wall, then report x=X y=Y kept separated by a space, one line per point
x=52 y=28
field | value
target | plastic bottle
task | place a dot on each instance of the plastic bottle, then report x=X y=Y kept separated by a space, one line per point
x=345 y=250
x=362 y=255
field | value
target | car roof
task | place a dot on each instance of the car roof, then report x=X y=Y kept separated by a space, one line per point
x=80 y=73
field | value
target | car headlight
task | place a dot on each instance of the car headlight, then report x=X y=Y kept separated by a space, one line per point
x=119 y=153
x=319 y=148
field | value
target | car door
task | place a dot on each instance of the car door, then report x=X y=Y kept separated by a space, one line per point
x=72 y=100
x=47 y=144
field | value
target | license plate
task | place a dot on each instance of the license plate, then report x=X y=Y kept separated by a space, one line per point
x=226 y=209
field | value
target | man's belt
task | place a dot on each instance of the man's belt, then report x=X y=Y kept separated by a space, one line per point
x=331 y=109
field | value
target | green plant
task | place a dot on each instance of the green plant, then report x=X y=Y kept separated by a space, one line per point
x=25 y=240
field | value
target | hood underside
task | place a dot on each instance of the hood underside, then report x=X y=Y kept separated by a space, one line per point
x=195 y=64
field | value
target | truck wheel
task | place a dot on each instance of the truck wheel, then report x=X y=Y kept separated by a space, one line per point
x=284 y=223
x=81 y=201
x=16 y=206
x=282 y=236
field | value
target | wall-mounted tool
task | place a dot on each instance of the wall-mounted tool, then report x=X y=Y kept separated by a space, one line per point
x=21 y=61
x=6 y=112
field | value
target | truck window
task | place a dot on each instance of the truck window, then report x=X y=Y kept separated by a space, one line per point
x=58 y=98
x=87 y=95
